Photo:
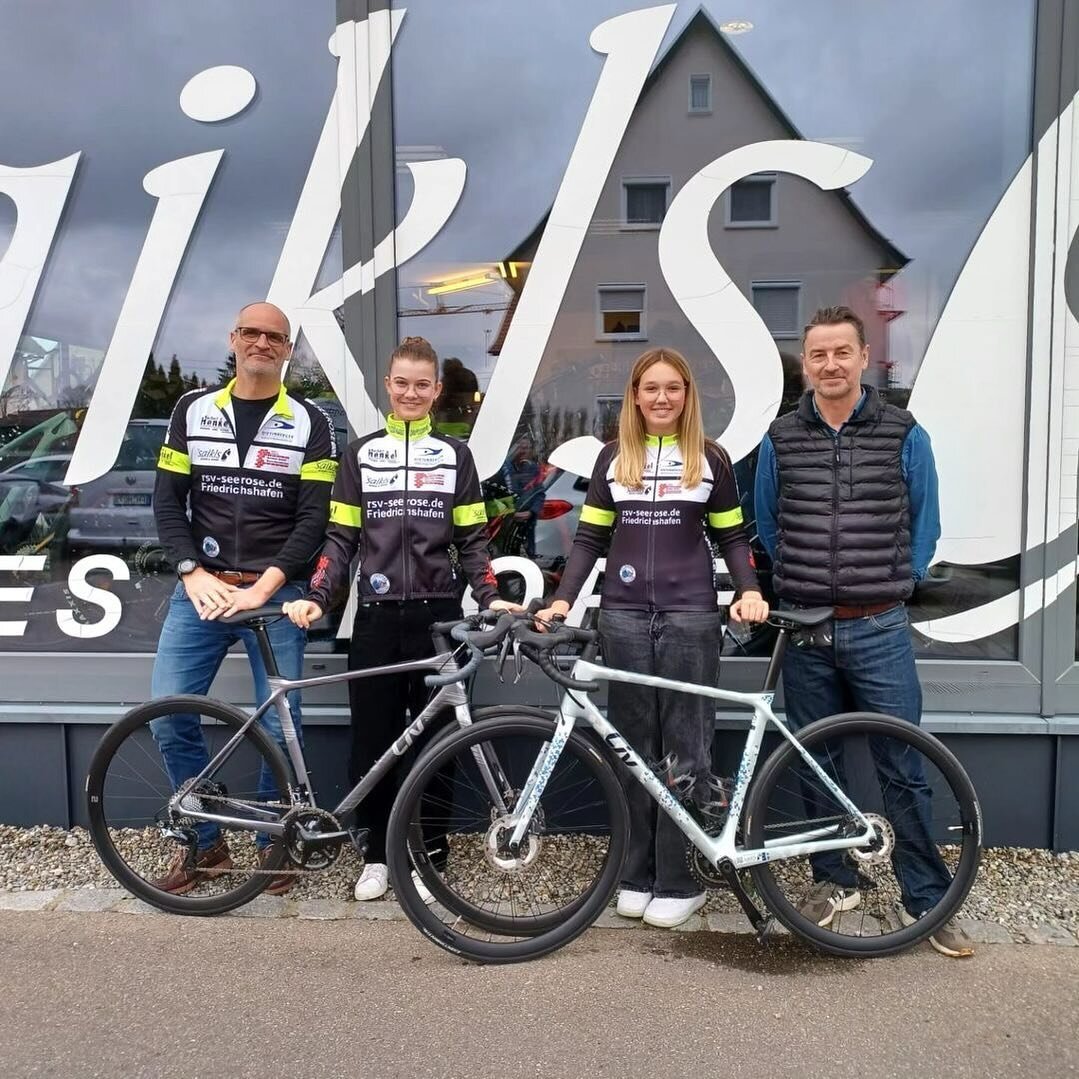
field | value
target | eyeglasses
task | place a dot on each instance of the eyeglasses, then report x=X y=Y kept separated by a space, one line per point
x=250 y=334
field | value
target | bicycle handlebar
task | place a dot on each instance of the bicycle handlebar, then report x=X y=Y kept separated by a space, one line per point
x=477 y=641
x=538 y=648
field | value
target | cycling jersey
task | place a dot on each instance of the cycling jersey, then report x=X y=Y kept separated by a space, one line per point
x=404 y=498
x=250 y=507
x=656 y=537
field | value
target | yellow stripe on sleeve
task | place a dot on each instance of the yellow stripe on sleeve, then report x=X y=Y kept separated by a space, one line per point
x=174 y=461
x=470 y=515
x=341 y=513
x=324 y=470
x=726 y=519
x=591 y=515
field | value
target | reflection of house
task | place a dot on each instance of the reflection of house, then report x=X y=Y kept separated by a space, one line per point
x=789 y=246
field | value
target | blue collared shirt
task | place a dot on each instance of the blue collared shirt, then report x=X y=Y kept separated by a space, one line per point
x=919 y=472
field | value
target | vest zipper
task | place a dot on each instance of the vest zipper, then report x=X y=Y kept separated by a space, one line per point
x=238 y=512
x=406 y=554
x=835 y=515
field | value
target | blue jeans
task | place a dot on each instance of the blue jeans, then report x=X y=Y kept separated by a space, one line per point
x=869 y=667
x=189 y=655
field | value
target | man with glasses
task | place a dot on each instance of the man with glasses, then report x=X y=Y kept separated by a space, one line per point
x=241 y=501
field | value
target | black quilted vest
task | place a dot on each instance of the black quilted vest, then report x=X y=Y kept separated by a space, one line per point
x=844 y=514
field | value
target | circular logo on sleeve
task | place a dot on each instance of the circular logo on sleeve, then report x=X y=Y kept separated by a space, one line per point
x=380 y=583
x=627 y=574
x=210 y=547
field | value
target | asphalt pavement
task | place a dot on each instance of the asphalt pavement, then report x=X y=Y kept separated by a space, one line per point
x=123 y=995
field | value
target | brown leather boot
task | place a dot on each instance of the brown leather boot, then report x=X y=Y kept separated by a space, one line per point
x=181 y=877
x=279 y=885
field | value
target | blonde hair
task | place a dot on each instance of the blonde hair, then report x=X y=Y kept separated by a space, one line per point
x=629 y=464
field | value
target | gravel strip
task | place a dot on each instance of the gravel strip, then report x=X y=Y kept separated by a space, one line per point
x=1032 y=894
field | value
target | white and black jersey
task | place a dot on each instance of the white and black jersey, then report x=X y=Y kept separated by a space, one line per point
x=245 y=496
x=405 y=498
x=656 y=536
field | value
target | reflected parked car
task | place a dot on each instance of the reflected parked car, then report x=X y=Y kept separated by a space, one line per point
x=32 y=513
x=49 y=468
x=115 y=512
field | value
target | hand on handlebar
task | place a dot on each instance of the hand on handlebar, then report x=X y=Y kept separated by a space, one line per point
x=504 y=605
x=558 y=609
x=751 y=607
x=302 y=612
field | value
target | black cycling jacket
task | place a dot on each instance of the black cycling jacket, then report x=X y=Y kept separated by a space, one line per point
x=656 y=537
x=405 y=498
x=268 y=508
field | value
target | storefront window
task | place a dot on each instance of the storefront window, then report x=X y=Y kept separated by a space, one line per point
x=892 y=240
x=234 y=94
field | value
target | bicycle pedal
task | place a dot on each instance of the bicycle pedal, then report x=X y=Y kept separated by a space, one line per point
x=358 y=837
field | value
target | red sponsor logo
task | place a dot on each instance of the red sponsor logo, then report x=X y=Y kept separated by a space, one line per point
x=430 y=479
x=669 y=489
x=271 y=459
x=318 y=578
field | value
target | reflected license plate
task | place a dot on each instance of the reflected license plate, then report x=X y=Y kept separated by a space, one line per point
x=131 y=500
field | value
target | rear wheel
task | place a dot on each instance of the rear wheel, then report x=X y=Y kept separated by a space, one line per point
x=489 y=903
x=926 y=845
x=138 y=837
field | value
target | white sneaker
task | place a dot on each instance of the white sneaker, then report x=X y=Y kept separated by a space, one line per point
x=667 y=911
x=632 y=904
x=421 y=889
x=373 y=882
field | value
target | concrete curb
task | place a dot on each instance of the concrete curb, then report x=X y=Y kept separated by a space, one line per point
x=117 y=901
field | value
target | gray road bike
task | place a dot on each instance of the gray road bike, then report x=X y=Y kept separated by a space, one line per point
x=248 y=787
x=870 y=801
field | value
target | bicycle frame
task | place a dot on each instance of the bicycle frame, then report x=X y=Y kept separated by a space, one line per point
x=718 y=848
x=449 y=696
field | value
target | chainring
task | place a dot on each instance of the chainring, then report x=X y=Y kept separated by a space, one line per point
x=311 y=819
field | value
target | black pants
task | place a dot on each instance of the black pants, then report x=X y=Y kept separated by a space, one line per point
x=385 y=633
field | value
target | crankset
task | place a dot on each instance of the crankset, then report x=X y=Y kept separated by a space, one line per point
x=313 y=837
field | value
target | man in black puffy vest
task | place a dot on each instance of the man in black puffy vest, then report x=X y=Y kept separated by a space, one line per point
x=846 y=503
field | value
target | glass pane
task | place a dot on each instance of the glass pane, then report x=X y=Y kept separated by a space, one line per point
x=101 y=533
x=645 y=203
x=892 y=243
x=751 y=200
x=700 y=92
x=778 y=308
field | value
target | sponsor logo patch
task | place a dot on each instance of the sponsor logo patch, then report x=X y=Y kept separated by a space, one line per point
x=380 y=583
x=669 y=489
x=271 y=459
x=210 y=547
x=212 y=454
x=430 y=479
x=430 y=455
x=385 y=457
x=213 y=423
x=278 y=424
x=627 y=574
x=375 y=481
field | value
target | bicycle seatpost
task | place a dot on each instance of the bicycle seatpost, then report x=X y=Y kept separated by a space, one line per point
x=266 y=649
x=775 y=664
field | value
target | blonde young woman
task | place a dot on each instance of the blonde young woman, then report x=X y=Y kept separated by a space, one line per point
x=658 y=495
x=403 y=496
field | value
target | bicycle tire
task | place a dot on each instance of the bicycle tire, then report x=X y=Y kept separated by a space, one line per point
x=962 y=823
x=561 y=925
x=458 y=904
x=102 y=780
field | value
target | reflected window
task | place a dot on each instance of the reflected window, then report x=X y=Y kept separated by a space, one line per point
x=778 y=303
x=700 y=93
x=621 y=313
x=751 y=203
x=644 y=202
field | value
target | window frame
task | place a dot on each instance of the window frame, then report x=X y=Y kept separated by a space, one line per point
x=796 y=332
x=691 y=109
x=642 y=181
x=610 y=286
x=771 y=179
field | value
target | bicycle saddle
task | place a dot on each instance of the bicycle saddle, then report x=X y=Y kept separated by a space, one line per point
x=241 y=618
x=814 y=616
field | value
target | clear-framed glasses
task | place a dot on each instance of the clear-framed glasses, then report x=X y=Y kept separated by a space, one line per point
x=250 y=334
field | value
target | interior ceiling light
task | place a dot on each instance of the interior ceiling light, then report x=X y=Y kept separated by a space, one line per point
x=460 y=285
x=736 y=26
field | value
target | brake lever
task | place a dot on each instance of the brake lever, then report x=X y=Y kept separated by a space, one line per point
x=503 y=653
x=518 y=661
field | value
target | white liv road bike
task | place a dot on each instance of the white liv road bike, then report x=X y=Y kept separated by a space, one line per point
x=869 y=802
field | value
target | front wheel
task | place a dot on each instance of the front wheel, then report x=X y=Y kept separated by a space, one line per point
x=910 y=878
x=488 y=903
x=128 y=791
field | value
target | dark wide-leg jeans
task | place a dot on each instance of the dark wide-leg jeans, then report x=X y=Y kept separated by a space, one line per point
x=683 y=645
x=869 y=667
